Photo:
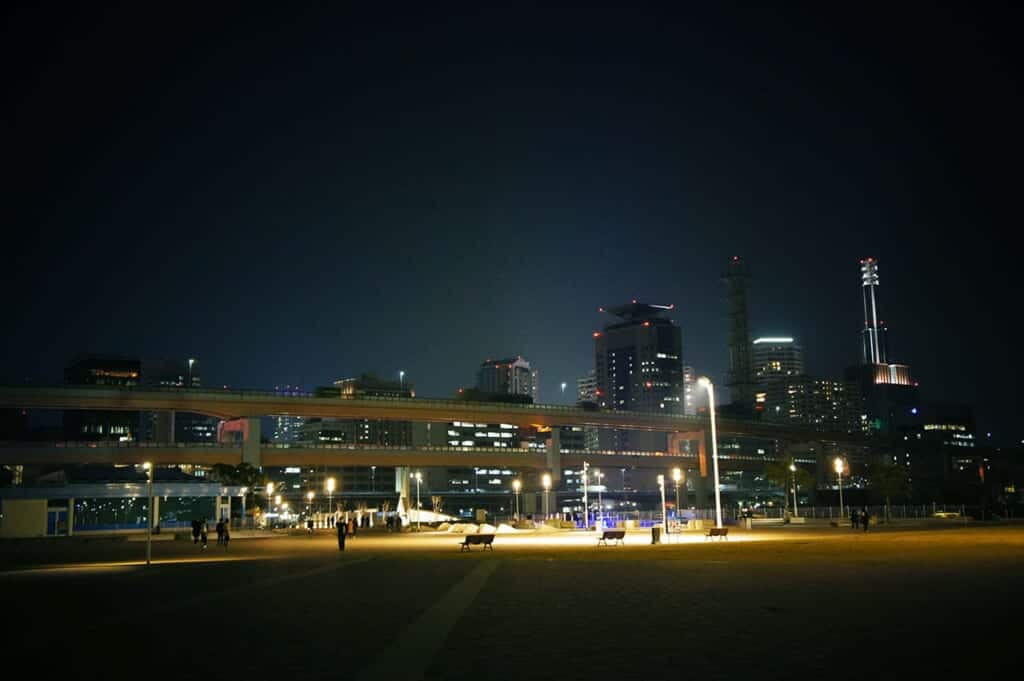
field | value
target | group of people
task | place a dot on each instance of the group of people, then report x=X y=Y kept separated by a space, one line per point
x=200 y=531
x=861 y=517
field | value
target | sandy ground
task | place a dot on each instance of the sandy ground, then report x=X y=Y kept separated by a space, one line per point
x=936 y=599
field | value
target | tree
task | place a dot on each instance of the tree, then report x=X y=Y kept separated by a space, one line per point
x=889 y=480
x=778 y=473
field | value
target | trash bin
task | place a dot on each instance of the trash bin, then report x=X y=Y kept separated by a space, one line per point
x=656 y=534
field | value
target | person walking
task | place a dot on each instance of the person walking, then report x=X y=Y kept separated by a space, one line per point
x=854 y=518
x=355 y=526
x=204 y=531
x=864 y=518
x=220 y=532
x=227 y=534
x=341 y=535
x=195 y=531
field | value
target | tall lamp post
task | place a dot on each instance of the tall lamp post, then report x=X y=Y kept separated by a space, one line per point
x=270 y=493
x=664 y=514
x=419 y=478
x=149 y=515
x=309 y=503
x=331 y=482
x=401 y=379
x=839 y=472
x=796 y=511
x=706 y=383
x=600 y=504
x=677 y=475
x=586 y=501
x=546 y=481
x=516 y=485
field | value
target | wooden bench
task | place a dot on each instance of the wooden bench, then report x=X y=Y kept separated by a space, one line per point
x=485 y=539
x=719 y=532
x=616 y=535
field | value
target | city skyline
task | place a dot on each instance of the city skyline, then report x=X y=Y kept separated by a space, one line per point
x=439 y=194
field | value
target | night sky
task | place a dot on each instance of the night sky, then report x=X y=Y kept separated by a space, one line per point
x=299 y=196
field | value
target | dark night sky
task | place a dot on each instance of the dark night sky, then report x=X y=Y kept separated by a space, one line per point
x=295 y=197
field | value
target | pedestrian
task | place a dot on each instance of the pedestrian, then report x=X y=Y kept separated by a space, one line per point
x=227 y=534
x=195 y=531
x=341 y=536
x=854 y=518
x=864 y=518
x=220 y=532
x=355 y=526
x=204 y=530
x=309 y=527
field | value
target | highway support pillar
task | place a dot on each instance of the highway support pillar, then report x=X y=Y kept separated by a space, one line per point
x=251 y=444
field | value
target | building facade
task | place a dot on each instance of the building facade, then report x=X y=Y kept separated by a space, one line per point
x=511 y=376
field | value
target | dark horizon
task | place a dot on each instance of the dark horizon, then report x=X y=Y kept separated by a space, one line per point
x=294 y=197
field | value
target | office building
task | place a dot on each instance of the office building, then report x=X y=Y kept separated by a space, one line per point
x=638 y=364
x=511 y=376
x=776 y=357
x=84 y=424
x=287 y=428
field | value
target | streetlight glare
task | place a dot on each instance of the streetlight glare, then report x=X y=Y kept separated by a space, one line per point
x=792 y=467
x=146 y=466
x=704 y=381
x=330 y=484
x=839 y=465
x=270 y=488
x=677 y=474
x=546 y=480
x=516 y=485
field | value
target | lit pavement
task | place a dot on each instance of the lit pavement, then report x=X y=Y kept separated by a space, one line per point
x=937 y=599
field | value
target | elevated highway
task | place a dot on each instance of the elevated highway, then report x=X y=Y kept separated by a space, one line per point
x=235 y=404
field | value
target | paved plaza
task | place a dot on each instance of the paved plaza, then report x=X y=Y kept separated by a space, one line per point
x=938 y=599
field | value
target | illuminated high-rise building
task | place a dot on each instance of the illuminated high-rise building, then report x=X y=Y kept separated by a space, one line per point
x=775 y=358
x=638 y=362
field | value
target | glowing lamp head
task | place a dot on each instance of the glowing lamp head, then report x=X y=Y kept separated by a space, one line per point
x=309 y=495
x=838 y=465
x=677 y=474
x=330 y=484
x=546 y=481
x=277 y=499
x=147 y=466
x=704 y=382
x=792 y=467
x=516 y=485
x=270 y=488
x=419 y=476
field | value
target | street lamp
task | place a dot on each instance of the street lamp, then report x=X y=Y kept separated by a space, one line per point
x=149 y=514
x=309 y=502
x=546 y=481
x=191 y=361
x=373 y=478
x=664 y=514
x=706 y=383
x=516 y=485
x=270 y=492
x=330 y=495
x=839 y=471
x=419 y=478
x=586 y=501
x=401 y=379
x=796 y=511
x=600 y=506
x=563 y=388
x=677 y=475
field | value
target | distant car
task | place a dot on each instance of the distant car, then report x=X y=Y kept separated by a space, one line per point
x=945 y=514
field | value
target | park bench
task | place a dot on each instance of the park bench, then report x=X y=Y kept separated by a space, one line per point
x=484 y=539
x=616 y=535
x=719 y=532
